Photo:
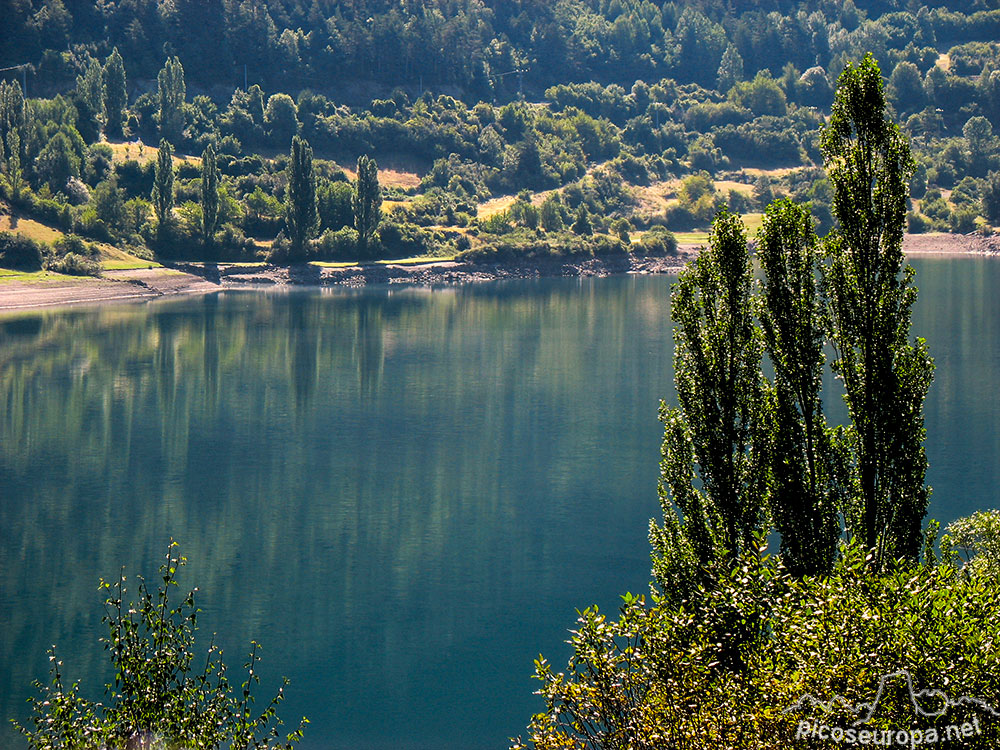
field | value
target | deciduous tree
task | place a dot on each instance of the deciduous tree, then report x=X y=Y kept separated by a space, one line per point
x=209 y=194
x=716 y=429
x=163 y=189
x=367 y=202
x=301 y=217
x=870 y=295
x=115 y=95
x=806 y=488
x=171 y=95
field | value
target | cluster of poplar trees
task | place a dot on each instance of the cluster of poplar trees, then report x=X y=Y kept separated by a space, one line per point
x=744 y=453
x=301 y=213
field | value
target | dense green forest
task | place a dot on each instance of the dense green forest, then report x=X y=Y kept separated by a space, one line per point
x=614 y=122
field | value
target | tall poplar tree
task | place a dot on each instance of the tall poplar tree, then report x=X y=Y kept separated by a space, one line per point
x=209 y=194
x=90 y=100
x=15 y=173
x=807 y=484
x=172 y=92
x=869 y=294
x=115 y=95
x=367 y=202
x=301 y=217
x=163 y=189
x=715 y=431
x=11 y=107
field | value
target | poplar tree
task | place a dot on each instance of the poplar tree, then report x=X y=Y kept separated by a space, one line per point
x=870 y=295
x=301 y=216
x=807 y=484
x=209 y=194
x=163 y=189
x=171 y=94
x=115 y=94
x=367 y=202
x=15 y=173
x=90 y=100
x=11 y=108
x=715 y=433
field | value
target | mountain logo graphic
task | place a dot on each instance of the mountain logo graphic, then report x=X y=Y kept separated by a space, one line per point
x=866 y=711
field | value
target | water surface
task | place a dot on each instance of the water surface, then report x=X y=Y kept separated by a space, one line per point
x=403 y=494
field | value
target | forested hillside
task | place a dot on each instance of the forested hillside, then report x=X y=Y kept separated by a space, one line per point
x=607 y=116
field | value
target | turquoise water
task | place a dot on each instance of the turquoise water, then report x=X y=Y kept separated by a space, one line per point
x=403 y=494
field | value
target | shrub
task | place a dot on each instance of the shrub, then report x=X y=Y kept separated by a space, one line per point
x=731 y=666
x=161 y=694
x=658 y=241
x=962 y=221
x=405 y=240
x=71 y=243
x=341 y=244
x=917 y=223
x=74 y=265
x=20 y=252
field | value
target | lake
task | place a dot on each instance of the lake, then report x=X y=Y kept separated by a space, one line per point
x=403 y=494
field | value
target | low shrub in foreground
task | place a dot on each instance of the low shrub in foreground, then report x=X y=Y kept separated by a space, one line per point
x=734 y=666
x=161 y=695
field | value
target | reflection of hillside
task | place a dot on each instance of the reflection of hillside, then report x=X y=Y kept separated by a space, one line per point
x=373 y=477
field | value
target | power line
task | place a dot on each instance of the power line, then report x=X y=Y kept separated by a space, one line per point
x=23 y=67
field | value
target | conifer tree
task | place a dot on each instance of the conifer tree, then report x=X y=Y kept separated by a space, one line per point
x=115 y=95
x=209 y=194
x=367 y=202
x=163 y=189
x=869 y=294
x=301 y=215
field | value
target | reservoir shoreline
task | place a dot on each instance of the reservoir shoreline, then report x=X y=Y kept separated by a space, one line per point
x=200 y=278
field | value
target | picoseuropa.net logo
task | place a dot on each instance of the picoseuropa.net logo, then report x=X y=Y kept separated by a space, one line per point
x=930 y=704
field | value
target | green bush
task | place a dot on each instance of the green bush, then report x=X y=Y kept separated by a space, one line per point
x=17 y=251
x=161 y=693
x=918 y=223
x=337 y=245
x=405 y=240
x=74 y=265
x=729 y=667
x=658 y=241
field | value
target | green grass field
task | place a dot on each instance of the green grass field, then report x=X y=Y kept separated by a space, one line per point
x=700 y=236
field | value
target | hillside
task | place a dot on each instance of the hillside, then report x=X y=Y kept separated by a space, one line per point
x=507 y=122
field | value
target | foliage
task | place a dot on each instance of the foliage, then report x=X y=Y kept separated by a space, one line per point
x=722 y=670
x=115 y=94
x=657 y=241
x=20 y=252
x=171 y=93
x=991 y=198
x=163 y=189
x=301 y=218
x=159 y=692
x=367 y=202
x=976 y=541
x=715 y=428
x=870 y=296
x=209 y=195
x=806 y=490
